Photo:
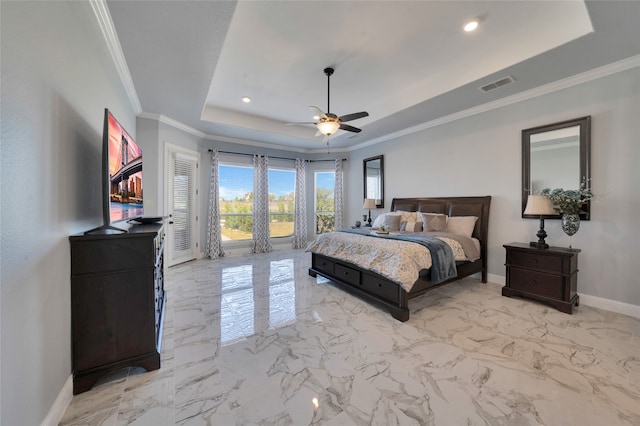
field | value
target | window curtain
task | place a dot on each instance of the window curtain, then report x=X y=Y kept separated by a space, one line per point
x=337 y=194
x=260 y=226
x=214 y=232
x=300 y=207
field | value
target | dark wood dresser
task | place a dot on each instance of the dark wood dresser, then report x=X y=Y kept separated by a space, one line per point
x=117 y=302
x=547 y=275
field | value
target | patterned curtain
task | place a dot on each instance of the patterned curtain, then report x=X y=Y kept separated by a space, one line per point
x=300 y=208
x=337 y=194
x=214 y=234
x=260 y=227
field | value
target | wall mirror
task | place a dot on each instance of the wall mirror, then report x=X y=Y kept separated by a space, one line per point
x=556 y=156
x=374 y=179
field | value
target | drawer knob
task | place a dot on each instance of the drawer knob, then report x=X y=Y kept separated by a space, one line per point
x=379 y=284
x=534 y=282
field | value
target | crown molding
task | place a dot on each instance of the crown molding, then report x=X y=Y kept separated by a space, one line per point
x=594 y=74
x=101 y=11
x=218 y=138
x=585 y=77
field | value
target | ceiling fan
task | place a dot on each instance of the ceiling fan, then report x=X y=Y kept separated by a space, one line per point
x=330 y=123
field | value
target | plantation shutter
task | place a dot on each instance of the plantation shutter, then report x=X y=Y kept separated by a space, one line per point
x=183 y=214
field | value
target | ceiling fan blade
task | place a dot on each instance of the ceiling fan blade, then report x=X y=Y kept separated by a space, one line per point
x=317 y=111
x=350 y=128
x=354 y=116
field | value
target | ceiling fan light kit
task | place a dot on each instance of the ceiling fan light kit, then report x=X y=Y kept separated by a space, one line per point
x=328 y=128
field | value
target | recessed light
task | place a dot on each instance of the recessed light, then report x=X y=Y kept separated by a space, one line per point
x=471 y=25
x=246 y=99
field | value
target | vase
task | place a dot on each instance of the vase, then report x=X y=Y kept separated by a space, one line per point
x=570 y=225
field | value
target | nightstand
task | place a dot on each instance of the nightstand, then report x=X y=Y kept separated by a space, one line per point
x=548 y=275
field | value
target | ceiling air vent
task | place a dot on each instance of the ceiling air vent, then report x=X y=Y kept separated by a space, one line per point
x=498 y=83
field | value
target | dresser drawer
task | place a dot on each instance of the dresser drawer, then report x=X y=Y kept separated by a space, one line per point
x=347 y=274
x=536 y=283
x=323 y=264
x=539 y=262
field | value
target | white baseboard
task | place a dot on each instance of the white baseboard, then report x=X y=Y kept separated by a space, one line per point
x=610 y=305
x=56 y=412
x=496 y=279
x=593 y=301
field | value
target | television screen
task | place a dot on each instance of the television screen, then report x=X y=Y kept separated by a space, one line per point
x=125 y=173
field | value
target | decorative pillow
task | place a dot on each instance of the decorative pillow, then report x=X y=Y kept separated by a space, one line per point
x=380 y=219
x=411 y=226
x=391 y=222
x=434 y=222
x=461 y=225
x=409 y=216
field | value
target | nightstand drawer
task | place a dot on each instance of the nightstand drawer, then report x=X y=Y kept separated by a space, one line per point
x=536 y=283
x=539 y=262
x=347 y=275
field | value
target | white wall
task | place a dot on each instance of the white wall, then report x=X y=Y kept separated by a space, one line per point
x=57 y=78
x=481 y=155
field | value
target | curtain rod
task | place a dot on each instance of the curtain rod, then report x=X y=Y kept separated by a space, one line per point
x=279 y=158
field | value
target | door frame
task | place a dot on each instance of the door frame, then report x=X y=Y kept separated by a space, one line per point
x=169 y=150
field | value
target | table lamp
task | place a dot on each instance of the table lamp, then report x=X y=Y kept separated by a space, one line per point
x=539 y=205
x=369 y=203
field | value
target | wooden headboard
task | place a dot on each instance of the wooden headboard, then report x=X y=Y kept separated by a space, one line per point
x=453 y=206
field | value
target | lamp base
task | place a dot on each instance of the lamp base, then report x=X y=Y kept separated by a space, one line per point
x=539 y=245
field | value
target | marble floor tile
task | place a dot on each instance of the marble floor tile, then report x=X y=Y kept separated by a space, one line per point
x=254 y=340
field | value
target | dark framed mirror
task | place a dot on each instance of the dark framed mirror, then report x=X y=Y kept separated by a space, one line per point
x=557 y=155
x=373 y=169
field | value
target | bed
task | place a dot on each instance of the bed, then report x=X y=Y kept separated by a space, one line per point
x=392 y=294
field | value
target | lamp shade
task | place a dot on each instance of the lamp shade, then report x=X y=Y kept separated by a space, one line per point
x=328 y=127
x=369 y=203
x=539 y=205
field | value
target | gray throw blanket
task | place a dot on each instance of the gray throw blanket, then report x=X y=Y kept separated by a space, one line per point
x=443 y=265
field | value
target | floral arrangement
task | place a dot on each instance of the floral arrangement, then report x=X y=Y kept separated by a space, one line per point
x=569 y=201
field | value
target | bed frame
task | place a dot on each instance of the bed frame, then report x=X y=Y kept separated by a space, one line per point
x=378 y=289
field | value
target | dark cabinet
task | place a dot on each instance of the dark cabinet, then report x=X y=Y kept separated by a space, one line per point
x=117 y=302
x=549 y=275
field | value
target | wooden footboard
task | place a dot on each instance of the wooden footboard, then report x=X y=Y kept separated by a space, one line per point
x=364 y=283
x=378 y=289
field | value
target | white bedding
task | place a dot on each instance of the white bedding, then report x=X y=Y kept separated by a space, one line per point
x=397 y=260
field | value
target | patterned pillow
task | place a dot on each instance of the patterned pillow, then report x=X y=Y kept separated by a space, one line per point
x=411 y=226
x=436 y=222
x=391 y=222
x=409 y=216
x=461 y=225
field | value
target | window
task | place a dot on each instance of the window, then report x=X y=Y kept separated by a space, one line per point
x=324 y=206
x=281 y=202
x=236 y=202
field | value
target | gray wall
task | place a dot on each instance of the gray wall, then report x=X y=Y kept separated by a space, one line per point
x=57 y=78
x=481 y=155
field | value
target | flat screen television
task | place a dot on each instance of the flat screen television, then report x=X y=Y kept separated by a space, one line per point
x=122 y=197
